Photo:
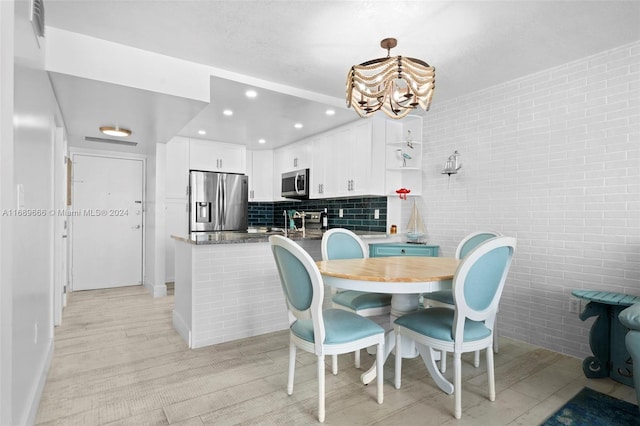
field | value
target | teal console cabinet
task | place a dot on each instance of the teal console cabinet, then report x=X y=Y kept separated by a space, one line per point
x=606 y=338
x=402 y=249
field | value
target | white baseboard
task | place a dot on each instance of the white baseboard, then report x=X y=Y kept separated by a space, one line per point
x=30 y=415
x=156 y=290
x=182 y=327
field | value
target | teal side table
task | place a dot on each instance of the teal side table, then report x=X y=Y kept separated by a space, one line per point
x=402 y=249
x=606 y=338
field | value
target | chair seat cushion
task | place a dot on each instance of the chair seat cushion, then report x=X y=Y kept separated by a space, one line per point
x=340 y=327
x=442 y=296
x=437 y=323
x=358 y=300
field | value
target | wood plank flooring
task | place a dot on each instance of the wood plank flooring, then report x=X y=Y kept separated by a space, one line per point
x=118 y=361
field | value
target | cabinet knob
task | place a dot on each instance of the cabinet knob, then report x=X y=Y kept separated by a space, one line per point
x=403 y=252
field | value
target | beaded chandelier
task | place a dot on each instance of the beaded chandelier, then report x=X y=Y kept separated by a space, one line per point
x=395 y=85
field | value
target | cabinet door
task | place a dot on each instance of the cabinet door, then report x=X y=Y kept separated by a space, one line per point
x=293 y=157
x=260 y=167
x=216 y=156
x=177 y=168
x=324 y=169
x=340 y=146
x=360 y=152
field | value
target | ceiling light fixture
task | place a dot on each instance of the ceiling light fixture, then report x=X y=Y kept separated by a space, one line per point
x=395 y=85
x=298 y=125
x=202 y=132
x=330 y=112
x=115 y=131
x=251 y=94
x=262 y=141
x=227 y=112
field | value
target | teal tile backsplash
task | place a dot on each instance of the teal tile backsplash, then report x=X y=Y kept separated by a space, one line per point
x=358 y=212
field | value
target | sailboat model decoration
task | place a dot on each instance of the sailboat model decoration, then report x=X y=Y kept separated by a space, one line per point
x=416 y=231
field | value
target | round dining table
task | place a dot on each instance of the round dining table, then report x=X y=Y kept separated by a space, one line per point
x=405 y=278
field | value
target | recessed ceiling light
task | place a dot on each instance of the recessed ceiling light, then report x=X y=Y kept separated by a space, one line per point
x=115 y=131
x=227 y=112
x=262 y=141
x=330 y=112
x=298 y=125
x=251 y=93
x=202 y=132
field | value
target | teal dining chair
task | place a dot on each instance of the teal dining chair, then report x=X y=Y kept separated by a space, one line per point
x=340 y=243
x=328 y=332
x=444 y=298
x=477 y=287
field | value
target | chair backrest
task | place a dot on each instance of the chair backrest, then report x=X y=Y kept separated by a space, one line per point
x=472 y=240
x=478 y=283
x=340 y=243
x=301 y=283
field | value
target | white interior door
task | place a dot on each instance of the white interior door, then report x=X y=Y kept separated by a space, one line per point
x=107 y=222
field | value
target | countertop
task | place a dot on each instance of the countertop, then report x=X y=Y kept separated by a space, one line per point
x=239 y=237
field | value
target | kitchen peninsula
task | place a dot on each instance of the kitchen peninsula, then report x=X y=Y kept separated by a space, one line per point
x=227 y=286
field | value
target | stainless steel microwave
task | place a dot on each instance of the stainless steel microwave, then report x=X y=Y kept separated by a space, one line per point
x=296 y=184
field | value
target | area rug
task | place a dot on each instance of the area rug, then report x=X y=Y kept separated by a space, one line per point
x=592 y=408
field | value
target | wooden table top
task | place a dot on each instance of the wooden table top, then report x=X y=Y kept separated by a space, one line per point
x=391 y=269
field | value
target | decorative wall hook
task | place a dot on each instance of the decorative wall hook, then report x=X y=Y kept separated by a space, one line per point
x=452 y=165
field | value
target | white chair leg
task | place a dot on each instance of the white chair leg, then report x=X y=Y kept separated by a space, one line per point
x=443 y=362
x=398 y=361
x=292 y=367
x=356 y=358
x=495 y=338
x=476 y=359
x=334 y=364
x=321 y=388
x=379 y=371
x=457 y=384
x=490 y=372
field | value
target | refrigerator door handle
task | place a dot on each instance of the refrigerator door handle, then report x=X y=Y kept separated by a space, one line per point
x=218 y=205
x=223 y=217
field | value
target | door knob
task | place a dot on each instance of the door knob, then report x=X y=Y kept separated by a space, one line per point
x=136 y=227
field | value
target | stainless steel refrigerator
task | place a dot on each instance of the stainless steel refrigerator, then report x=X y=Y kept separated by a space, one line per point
x=217 y=201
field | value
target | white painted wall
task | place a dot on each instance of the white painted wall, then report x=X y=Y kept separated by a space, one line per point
x=6 y=201
x=31 y=245
x=154 y=274
x=553 y=159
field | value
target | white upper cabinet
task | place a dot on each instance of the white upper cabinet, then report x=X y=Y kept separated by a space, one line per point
x=216 y=156
x=293 y=157
x=349 y=161
x=177 y=168
x=260 y=172
x=321 y=166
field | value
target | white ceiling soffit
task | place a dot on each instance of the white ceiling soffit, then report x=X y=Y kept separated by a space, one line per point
x=88 y=104
x=310 y=45
x=270 y=116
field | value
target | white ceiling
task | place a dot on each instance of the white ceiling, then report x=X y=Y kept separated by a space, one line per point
x=310 y=45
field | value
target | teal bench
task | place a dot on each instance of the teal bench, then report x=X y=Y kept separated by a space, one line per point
x=607 y=336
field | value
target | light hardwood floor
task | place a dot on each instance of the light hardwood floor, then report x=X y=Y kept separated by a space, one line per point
x=118 y=361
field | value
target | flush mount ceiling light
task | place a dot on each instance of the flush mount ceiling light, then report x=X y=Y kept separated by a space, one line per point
x=394 y=85
x=115 y=131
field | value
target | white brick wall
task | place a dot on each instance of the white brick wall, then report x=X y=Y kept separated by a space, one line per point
x=237 y=292
x=553 y=159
